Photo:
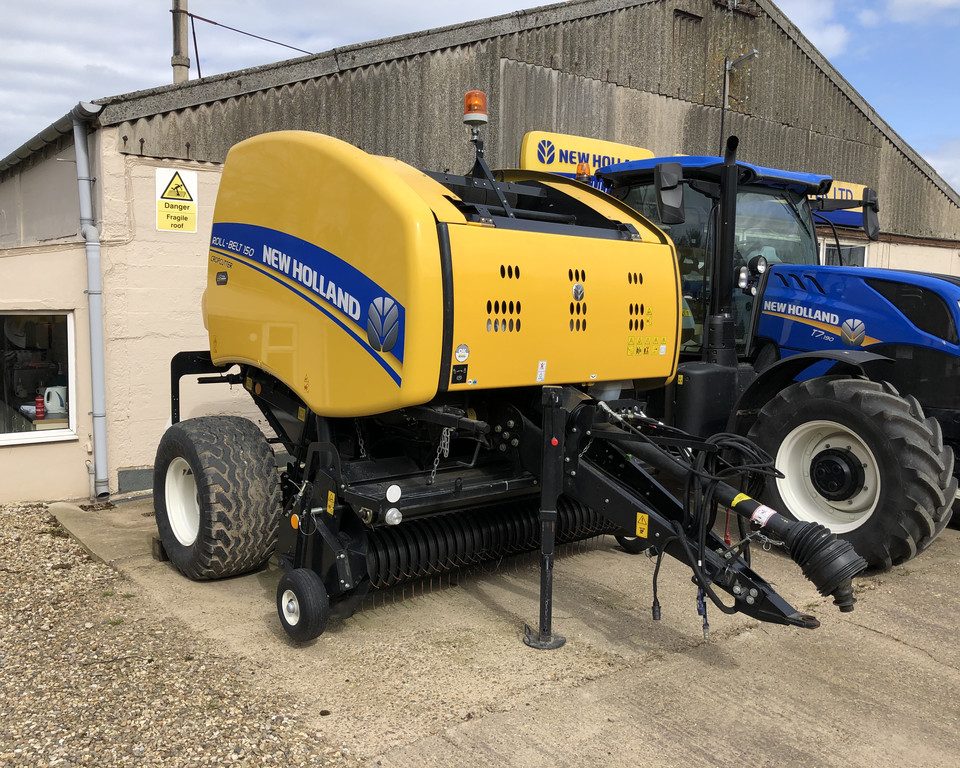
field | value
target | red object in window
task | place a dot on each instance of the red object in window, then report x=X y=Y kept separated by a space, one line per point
x=41 y=409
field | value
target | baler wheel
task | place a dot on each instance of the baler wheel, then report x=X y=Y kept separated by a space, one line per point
x=860 y=460
x=216 y=496
x=302 y=604
x=632 y=545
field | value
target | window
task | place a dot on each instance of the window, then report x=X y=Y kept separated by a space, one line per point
x=773 y=223
x=850 y=255
x=36 y=377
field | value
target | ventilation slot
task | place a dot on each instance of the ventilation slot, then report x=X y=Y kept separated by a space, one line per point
x=635 y=311
x=503 y=316
x=578 y=307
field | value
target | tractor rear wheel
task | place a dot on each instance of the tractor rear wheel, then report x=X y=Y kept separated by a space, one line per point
x=860 y=460
x=216 y=496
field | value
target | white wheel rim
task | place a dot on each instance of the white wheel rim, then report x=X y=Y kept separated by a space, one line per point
x=802 y=498
x=290 y=607
x=183 y=503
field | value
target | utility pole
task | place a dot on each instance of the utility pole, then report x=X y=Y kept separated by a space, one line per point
x=180 y=61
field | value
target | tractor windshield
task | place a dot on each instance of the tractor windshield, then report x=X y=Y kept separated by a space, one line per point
x=771 y=222
x=774 y=223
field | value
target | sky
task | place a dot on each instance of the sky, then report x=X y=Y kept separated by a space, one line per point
x=900 y=55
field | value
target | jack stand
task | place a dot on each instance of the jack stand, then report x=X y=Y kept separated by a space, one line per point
x=551 y=483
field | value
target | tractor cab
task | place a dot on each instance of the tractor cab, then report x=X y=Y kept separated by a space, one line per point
x=774 y=225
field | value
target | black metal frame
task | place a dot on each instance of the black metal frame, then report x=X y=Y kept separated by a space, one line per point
x=561 y=446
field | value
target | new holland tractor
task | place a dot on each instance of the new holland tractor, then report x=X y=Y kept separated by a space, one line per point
x=842 y=374
x=455 y=366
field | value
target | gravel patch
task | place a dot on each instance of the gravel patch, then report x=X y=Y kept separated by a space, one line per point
x=92 y=674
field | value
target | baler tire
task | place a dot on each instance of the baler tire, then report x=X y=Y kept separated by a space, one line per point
x=303 y=604
x=874 y=442
x=632 y=545
x=216 y=496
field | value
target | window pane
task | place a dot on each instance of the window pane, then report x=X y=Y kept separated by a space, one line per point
x=775 y=224
x=34 y=373
x=851 y=255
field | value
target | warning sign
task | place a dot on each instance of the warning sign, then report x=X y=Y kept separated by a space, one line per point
x=176 y=200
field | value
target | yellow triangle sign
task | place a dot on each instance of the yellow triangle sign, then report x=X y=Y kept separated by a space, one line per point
x=176 y=189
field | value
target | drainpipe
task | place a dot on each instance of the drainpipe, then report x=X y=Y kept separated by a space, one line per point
x=82 y=114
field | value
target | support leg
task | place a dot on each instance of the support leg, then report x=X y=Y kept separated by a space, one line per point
x=551 y=483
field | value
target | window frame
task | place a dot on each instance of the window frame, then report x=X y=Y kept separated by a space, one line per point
x=70 y=431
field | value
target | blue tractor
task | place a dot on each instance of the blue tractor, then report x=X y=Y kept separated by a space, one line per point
x=846 y=376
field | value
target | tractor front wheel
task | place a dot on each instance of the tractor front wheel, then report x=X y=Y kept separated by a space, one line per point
x=862 y=461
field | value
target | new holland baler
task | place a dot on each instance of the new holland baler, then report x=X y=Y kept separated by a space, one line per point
x=452 y=366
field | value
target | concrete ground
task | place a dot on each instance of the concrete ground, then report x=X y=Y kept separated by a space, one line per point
x=437 y=675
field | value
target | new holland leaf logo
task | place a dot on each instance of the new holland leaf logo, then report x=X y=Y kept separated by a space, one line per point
x=176 y=189
x=383 y=324
x=545 y=152
x=853 y=332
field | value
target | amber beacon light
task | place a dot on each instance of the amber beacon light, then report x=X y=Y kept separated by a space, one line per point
x=475 y=108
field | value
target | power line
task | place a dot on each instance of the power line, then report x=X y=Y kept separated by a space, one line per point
x=196 y=51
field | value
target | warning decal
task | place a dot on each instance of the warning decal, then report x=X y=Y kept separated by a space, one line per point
x=176 y=200
x=176 y=189
x=643 y=525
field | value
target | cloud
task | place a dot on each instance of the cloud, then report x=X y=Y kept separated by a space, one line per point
x=57 y=53
x=945 y=158
x=921 y=11
x=815 y=21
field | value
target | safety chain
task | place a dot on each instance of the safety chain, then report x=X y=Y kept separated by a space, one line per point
x=442 y=448
x=734 y=550
x=360 y=445
x=768 y=543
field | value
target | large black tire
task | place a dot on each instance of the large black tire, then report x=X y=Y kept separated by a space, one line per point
x=302 y=604
x=216 y=495
x=860 y=460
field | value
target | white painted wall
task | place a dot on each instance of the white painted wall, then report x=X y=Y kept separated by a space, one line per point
x=915 y=258
x=152 y=285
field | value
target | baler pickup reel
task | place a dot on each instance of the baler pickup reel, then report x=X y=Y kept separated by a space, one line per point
x=606 y=459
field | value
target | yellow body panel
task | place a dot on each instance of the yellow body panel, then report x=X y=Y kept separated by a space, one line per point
x=327 y=269
x=518 y=321
x=328 y=206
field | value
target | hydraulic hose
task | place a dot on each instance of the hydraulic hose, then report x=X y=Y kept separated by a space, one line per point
x=830 y=563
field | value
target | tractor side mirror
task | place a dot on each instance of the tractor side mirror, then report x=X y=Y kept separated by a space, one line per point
x=668 y=181
x=871 y=214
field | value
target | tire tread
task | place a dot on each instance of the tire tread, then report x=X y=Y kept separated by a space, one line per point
x=912 y=523
x=239 y=492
